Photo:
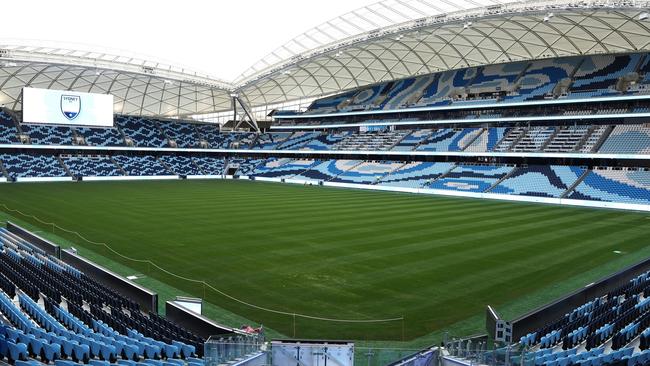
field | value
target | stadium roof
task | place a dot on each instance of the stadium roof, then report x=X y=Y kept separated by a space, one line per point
x=394 y=39
x=387 y=40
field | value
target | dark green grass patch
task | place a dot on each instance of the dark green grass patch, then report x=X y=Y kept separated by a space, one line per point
x=336 y=253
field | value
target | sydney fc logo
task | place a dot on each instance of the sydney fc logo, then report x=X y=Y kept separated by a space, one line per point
x=70 y=106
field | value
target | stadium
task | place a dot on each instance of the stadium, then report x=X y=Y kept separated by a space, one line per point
x=414 y=182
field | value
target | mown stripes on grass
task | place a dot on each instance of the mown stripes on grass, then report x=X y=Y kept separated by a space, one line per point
x=339 y=253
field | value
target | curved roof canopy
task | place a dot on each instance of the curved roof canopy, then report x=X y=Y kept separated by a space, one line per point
x=140 y=86
x=438 y=35
x=387 y=40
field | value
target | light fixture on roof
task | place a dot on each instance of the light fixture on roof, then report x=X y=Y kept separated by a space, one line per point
x=286 y=72
x=548 y=17
x=644 y=16
x=169 y=82
x=467 y=25
x=338 y=54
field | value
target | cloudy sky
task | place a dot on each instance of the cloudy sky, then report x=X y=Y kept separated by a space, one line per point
x=222 y=38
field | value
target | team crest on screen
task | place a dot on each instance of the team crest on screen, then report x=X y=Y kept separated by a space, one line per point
x=70 y=106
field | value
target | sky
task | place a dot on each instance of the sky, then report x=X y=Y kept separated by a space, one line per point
x=221 y=38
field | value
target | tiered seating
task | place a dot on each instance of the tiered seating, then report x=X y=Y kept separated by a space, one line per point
x=210 y=165
x=438 y=92
x=91 y=166
x=412 y=140
x=487 y=140
x=48 y=135
x=534 y=139
x=628 y=139
x=330 y=104
x=367 y=172
x=614 y=185
x=210 y=134
x=270 y=141
x=471 y=178
x=246 y=166
x=183 y=133
x=180 y=164
x=601 y=73
x=100 y=136
x=541 y=77
x=567 y=139
x=415 y=174
x=596 y=134
x=364 y=98
x=143 y=132
x=539 y=180
x=493 y=78
x=298 y=140
x=326 y=141
x=32 y=166
x=375 y=140
x=145 y=165
x=407 y=92
x=327 y=170
x=244 y=140
x=284 y=168
x=602 y=331
x=8 y=130
x=82 y=330
x=447 y=139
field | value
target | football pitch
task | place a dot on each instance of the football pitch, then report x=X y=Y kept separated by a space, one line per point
x=350 y=264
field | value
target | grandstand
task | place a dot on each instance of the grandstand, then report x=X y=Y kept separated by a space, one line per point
x=350 y=189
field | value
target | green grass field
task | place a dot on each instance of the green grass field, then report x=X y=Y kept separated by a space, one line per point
x=343 y=254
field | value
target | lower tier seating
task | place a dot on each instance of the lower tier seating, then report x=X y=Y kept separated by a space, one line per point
x=539 y=180
x=141 y=165
x=471 y=178
x=615 y=185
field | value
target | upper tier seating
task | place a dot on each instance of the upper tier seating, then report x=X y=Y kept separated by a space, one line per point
x=438 y=92
x=143 y=132
x=283 y=168
x=327 y=170
x=627 y=139
x=245 y=140
x=407 y=92
x=487 y=140
x=145 y=165
x=447 y=139
x=330 y=104
x=298 y=140
x=8 y=130
x=493 y=78
x=183 y=133
x=270 y=141
x=541 y=77
x=32 y=166
x=601 y=73
x=180 y=164
x=367 y=172
x=471 y=178
x=215 y=140
x=100 y=136
x=91 y=166
x=539 y=181
x=412 y=140
x=48 y=135
x=210 y=165
x=614 y=185
x=594 y=138
x=364 y=98
x=415 y=174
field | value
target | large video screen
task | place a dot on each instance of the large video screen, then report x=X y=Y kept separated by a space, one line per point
x=64 y=107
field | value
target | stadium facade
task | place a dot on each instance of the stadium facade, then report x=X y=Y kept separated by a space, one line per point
x=540 y=101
